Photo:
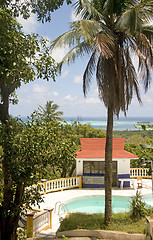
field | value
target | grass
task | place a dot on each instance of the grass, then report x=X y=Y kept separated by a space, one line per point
x=120 y=222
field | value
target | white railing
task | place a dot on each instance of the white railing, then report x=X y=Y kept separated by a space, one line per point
x=37 y=221
x=56 y=185
x=139 y=172
x=61 y=184
x=40 y=222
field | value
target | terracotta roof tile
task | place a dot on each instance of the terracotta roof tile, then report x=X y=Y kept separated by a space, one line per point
x=95 y=148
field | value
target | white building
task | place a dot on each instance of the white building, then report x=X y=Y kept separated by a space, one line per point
x=90 y=162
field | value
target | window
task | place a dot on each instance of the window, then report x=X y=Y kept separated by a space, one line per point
x=94 y=167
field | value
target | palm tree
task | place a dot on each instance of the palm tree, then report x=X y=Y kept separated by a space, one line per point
x=50 y=111
x=111 y=32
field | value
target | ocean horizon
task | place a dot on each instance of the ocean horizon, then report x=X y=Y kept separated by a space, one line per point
x=121 y=124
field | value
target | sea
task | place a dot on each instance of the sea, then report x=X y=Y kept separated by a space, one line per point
x=121 y=124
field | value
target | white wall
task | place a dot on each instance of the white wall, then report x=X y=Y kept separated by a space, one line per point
x=79 y=166
x=123 y=165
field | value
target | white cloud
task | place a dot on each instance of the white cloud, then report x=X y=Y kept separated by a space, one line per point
x=147 y=99
x=70 y=98
x=92 y=100
x=38 y=94
x=40 y=88
x=59 y=52
x=77 y=79
x=55 y=94
x=64 y=73
x=29 y=25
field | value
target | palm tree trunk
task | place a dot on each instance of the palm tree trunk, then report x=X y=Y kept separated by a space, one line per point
x=108 y=166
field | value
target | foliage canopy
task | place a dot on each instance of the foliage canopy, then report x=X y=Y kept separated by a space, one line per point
x=42 y=9
x=23 y=58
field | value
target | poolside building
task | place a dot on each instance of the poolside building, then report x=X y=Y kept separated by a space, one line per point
x=90 y=162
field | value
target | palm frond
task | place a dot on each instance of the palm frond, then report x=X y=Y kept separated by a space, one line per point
x=144 y=51
x=88 y=29
x=105 y=73
x=128 y=21
x=118 y=75
x=78 y=51
x=89 y=71
x=80 y=30
x=131 y=79
x=68 y=38
x=144 y=9
x=86 y=10
x=147 y=30
x=104 y=45
x=110 y=30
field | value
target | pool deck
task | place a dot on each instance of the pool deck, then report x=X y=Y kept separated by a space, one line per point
x=51 y=199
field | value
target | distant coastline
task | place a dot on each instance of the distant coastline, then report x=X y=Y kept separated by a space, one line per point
x=122 y=124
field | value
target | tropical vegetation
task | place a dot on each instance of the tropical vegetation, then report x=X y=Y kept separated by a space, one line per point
x=23 y=58
x=111 y=32
x=42 y=9
x=49 y=146
x=51 y=112
x=106 y=30
x=34 y=148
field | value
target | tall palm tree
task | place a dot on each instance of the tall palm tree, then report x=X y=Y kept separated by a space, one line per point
x=51 y=112
x=111 y=32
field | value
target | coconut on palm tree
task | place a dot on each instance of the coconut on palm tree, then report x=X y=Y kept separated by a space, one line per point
x=111 y=32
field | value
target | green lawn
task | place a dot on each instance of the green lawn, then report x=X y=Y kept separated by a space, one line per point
x=120 y=222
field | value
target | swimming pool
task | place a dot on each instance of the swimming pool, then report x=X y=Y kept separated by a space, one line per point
x=96 y=204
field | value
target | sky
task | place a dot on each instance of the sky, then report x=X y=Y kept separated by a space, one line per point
x=67 y=90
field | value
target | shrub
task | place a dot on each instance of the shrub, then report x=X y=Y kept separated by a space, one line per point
x=137 y=206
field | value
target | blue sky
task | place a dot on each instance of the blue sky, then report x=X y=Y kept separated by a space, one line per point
x=67 y=90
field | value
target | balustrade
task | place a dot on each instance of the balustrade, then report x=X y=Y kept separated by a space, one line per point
x=139 y=172
x=37 y=222
x=40 y=221
x=61 y=184
x=56 y=185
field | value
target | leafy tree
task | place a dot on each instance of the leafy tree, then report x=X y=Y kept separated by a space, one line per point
x=42 y=9
x=137 y=139
x=23 y=58
x=31 y=147
x=128 y=134
x=111 y=32
x=76 y=130
x=69 y=134
x=144 y=126
x=139 y=151
x=63 y=160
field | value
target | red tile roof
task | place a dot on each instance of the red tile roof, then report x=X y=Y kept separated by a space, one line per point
x=95 y=148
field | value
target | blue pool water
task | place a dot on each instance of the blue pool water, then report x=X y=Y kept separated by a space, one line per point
x=96 y=204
